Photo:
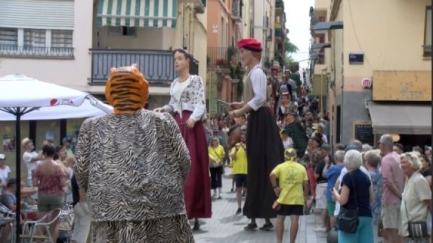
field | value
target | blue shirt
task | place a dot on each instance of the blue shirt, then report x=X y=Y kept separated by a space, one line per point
x=332 y=175
x=359 y=187
x=8 y=198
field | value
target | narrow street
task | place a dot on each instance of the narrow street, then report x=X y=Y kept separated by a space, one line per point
x=226 y=227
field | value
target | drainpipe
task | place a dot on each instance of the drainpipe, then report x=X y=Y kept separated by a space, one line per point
x=183 y=24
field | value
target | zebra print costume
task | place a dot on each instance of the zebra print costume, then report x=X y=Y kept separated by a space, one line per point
x=133 y=169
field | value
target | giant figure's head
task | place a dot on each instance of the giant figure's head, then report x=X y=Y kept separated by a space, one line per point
x=126 y=90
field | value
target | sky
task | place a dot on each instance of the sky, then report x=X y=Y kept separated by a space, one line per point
x=298 y=23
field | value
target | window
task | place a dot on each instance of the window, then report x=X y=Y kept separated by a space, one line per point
x=122 y=31
x=427 y=33
x=8 y=37
x=36 y=43
x=34 y=39
x=61 y=38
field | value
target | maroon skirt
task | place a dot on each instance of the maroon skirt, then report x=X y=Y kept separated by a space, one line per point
x=197 y=192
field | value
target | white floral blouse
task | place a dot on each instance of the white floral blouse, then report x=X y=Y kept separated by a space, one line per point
x=188 y=96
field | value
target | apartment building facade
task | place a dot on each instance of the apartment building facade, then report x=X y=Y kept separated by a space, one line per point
x=279 y=34
x=83 y=39
x=320 y=53
x=380 y=70
x=75 y=43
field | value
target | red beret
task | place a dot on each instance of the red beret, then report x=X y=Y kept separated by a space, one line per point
x=250 y=44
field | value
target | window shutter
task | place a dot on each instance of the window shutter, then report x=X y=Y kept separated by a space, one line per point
x=37 y=14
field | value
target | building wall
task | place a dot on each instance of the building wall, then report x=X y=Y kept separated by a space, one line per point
x=216 y=24
x=381 y=39
x=192 y=27
x=336 y=68
x=321 y=4
x=245 y=19
x=259 y=12
x=54 y=70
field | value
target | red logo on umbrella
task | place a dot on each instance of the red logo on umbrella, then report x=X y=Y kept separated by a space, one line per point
x=54 y=102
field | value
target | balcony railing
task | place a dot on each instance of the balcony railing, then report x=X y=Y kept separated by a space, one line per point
x=237 y=10
x=36 y=52
x=220 y=56
x=156 y=65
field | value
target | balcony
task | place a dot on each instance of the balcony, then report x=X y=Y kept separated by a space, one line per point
x=156 y=65
x=36 y=52
x=219 y=57
x=237 y=11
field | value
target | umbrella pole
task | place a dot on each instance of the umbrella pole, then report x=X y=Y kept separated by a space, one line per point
x=18 y=173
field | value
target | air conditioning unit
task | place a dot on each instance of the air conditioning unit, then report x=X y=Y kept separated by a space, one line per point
x=199 y=7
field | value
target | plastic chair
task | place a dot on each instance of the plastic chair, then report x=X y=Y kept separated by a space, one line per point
x=66 y=222
x=29 y=228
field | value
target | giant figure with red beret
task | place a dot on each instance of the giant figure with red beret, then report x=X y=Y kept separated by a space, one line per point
x=264 y=146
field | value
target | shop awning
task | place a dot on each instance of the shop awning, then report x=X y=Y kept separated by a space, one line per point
x=414 y=119
x=137 y=13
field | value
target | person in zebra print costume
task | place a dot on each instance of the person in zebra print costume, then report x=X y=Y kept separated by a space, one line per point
x=133 y=165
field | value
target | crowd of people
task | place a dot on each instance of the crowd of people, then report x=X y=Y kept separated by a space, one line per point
x=51 y=186
x=148 y=173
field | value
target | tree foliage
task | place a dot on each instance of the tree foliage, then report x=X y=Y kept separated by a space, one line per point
x=290 y=47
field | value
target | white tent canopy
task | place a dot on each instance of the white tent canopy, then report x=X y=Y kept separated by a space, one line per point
x=52 y=101
x=22 y=97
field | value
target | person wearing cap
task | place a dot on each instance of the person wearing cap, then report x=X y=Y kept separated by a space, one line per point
x=4 y=170
x=320 y=128
x=240 y=169
x=30 y=158
x=290 y=183
x=264 y=147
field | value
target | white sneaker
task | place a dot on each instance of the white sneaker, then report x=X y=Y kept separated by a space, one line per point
x=320 y=229
x=214 y=194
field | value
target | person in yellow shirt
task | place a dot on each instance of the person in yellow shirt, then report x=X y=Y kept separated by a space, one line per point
x=240 y=169
x=292 y=192
x=216 y=157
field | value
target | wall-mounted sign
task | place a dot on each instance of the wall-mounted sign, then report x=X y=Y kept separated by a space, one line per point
x=356 y=58
x=215 y=28
x=366 y=83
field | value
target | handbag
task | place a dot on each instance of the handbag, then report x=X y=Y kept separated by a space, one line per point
x=417 y=229
x=348 y=220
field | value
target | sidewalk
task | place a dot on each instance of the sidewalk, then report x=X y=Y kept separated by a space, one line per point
x=226 y=227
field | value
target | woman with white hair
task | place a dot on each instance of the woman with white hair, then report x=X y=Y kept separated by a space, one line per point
x=355 y=197
x=416 y=199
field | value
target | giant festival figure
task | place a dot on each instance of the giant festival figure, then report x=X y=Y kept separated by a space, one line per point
x=133 y=165
x=188 y=106
x=264 y=147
